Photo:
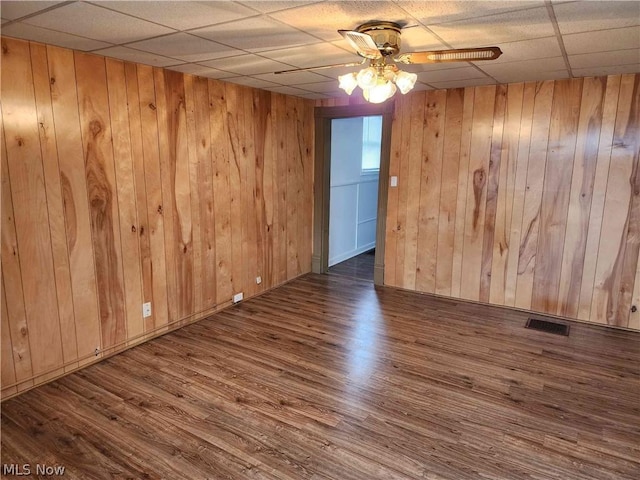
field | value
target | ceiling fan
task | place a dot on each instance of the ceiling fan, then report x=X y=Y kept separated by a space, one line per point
x=377 y=42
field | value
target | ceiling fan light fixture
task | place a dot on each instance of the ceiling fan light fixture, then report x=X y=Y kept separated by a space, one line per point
x=405 y=81
x=348 y=82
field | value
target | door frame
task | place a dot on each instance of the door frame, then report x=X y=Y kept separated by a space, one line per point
x=322 y=181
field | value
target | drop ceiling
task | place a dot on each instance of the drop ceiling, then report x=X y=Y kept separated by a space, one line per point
x=244 y=42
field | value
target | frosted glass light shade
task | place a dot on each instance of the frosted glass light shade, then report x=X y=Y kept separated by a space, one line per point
x=405 y=81
x=367 y=78
x=348 y=82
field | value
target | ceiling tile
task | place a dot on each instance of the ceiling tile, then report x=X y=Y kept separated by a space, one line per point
x=451 y=74
x=131 y=55
x=294 y=78
x=286 y=90
x=526 y=49
x=496 y=29
x=605 y=59
x=599 y=71
x=268 y=6
x=13 y=10
x=419 y=38
x=183 y=15
x=419 y=86
x=474 y=82
x=321 y=87
x=312 y=55
x=185 y=47
x=325 y=19
x=435 y=12
x=250 y=82
x=247 y=64
x=527 y=70
x=201 y=71
x=98 y=23
x=314 y=96
x=335 y=72
x=37 y=34
x=256 y=34
x=602 y=40
x=433 y=67
x=584 y=16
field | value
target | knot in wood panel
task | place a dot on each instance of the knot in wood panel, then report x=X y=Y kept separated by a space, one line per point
x=95 y=127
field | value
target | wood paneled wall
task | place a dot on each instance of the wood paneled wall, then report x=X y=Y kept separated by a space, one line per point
x=525 y=195
x=124 y=184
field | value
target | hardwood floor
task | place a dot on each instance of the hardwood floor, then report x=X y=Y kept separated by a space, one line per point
x=330 y=378
x=361 y=266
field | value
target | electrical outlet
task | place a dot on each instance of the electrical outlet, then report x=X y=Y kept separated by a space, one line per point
x=146 y=310
x=394 y=181
x=238 y=297
x=258 y=280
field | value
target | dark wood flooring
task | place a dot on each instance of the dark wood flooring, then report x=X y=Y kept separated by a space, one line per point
x=360 y=266
x=330 y=378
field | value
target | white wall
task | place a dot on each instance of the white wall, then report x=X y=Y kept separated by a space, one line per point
x=353 y=194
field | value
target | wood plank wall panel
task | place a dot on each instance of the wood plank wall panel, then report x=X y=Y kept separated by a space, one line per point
x=539 y=197
x=522 y=165
x=555 y=197
x=153 y=186
x=141 y=228
x=95 y=124
x=618 y=254
x=55 y=203
x=64 y=98
x=126 y=195
x=14 y=322
x=581 y=195
x=124 y=184
x=479 y=157
x=30 y=214
x=448 y=190
x=505 y=196
x=431 y=180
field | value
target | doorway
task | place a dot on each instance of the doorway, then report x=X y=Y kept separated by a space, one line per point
x=353 y=196
x=324 y=118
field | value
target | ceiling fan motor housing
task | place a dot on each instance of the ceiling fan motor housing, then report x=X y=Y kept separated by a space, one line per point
x=386 y=35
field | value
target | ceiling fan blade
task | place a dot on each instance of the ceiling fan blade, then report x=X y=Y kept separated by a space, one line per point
x=453 y=55
x=362 y=43
x=322 y=67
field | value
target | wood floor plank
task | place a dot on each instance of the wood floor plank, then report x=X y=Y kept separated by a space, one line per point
x=330 y=377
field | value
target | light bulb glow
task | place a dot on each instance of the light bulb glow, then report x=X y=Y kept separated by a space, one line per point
x=348 y=82
x=381 y=92
x=367 y=78
x=405 y=81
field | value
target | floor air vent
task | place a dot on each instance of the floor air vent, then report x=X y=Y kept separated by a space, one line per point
x=547 y=326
